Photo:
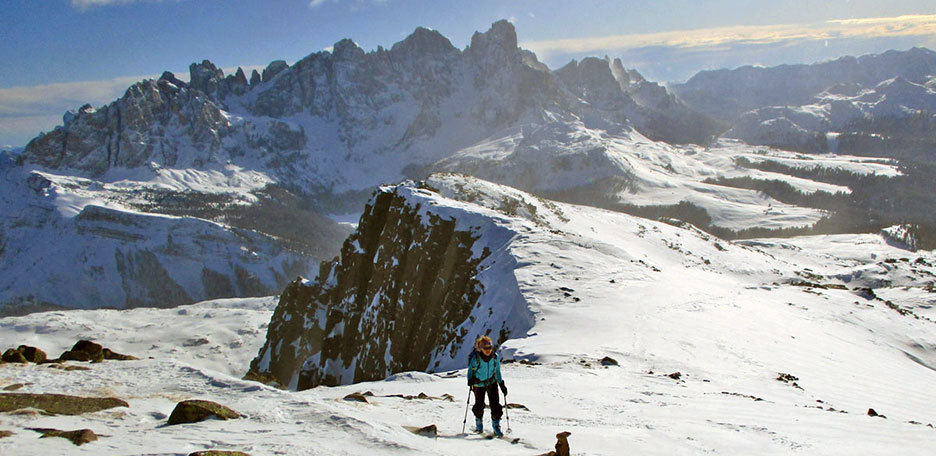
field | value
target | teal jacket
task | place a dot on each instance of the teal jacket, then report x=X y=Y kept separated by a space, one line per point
x=484 y=372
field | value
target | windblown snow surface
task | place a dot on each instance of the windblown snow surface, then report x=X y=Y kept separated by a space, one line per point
x=730 y=318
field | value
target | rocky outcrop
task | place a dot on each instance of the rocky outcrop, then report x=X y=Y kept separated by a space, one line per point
x=404 y=295
x=24 y=354
x=59 y=404
x=193 y=411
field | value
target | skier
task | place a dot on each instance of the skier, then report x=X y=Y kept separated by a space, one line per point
x=484 y=377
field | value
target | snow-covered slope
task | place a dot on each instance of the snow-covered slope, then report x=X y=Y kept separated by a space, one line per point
x=659 y=299
x=729 y=318
x=874 y=104
x=572 y=161
x=72 y=242
x=815 y=126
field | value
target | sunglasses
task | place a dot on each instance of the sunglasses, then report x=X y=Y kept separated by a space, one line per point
x=486 y=347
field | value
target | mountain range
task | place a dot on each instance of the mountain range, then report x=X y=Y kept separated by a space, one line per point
x=280 y=153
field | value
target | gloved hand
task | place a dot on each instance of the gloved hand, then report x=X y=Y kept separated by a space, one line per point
x=472 y=380
x=503 y=388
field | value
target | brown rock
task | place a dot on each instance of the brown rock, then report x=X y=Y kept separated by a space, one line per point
x=14 y=356
x=5 y=434
x=32 y=354
x=108 y=354
x=425 y=431
x=78 y=437
x=84 y=350
x=193 y=411
x=356 y=397
x=59 y=404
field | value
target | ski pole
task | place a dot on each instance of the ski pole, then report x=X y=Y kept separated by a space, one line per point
x=467 y=401
x=507 y=412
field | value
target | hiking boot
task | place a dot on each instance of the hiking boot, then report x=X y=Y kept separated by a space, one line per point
x=496 y=425
x=479 y=425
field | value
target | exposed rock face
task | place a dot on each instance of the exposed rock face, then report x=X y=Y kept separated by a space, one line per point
x=59 y=404
x=401 y=297
x=158 y=121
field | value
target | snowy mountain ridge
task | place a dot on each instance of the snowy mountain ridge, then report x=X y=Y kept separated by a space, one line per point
x=767 y=346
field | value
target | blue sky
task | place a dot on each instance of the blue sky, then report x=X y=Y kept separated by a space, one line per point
x=60 y=54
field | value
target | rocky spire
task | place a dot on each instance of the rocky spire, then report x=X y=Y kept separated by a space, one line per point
x=274 y=68
x=205 y=76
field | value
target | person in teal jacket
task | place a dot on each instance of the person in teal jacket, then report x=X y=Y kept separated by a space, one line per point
x=484 y=377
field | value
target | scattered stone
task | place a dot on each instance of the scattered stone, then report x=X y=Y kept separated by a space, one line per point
x=59 y=404
x=24 y=354
x=109 y=354
x=448 y=397
x=675 y=375
x=193 y=411
x=5 y=434
x=789 y=378
x=754 y=398
x=14 y=356
x=218 y=453
x=69 y=367
x=608 y=361
x=425 y=431
x=871 y=412
x=423 y=396
x=357 y=397
x=13 y=387
x=78 y=437
x=513 y=405
x=196 y=342
x=527 y=362
x=84 y=350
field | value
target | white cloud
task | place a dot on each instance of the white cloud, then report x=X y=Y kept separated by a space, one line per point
x=919 y=25
x=84 y=5
x=355 y=5
x=25 y=111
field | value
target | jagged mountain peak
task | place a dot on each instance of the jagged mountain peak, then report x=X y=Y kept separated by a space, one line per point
x=424 y=41
x=347 y=49
x=501 y=35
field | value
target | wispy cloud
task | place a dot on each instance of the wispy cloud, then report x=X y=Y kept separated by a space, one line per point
x=355 y=5
x=27 y=110
x=84 y=5
x=917 y=25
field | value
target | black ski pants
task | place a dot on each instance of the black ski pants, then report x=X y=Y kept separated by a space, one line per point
x=493 y=395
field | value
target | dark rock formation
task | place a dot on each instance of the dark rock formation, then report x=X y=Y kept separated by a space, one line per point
x=13 y=355
x=394 y=301
x=78 y=437
x=84 y=350
x=193 y=411
x=608 y=361
x=59 y=404
x=356 y=397
x=6 y=434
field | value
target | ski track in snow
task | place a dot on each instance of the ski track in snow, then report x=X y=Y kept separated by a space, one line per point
x=659 y=299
